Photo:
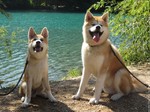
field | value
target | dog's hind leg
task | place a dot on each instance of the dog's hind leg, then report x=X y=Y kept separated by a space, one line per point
x=27 y=90
x=116 y=96
x=123 y=84
x=23 y=90
x=41 y=91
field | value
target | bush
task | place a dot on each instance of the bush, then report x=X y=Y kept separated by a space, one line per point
x=72 y=73
x=131 y=24
x=8 y=39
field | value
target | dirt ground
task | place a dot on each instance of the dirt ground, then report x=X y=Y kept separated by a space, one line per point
x=63 y=91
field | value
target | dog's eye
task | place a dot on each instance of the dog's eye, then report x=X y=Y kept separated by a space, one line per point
x=93 y=24
x=34 y=39
x=101 y=25
x=41 y=39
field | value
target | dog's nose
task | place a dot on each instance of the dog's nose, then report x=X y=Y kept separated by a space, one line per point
x=98 y=27
x=38 y=42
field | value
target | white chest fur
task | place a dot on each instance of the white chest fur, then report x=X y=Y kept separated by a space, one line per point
x=92 y=60
x=37 y=71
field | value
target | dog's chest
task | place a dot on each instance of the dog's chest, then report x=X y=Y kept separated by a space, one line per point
x=93 y=61
x=37 y=72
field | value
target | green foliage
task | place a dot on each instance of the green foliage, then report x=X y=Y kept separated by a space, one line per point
x=8 y=39
x=72 y=73
x=53 y=5
x=2 y=10
x=131 y=24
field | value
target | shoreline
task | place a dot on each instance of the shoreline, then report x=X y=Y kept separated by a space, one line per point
x=64 y=89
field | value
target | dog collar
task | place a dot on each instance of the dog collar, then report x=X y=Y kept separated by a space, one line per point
x=93 y=45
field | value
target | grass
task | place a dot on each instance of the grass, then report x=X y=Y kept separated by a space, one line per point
x=72 y=73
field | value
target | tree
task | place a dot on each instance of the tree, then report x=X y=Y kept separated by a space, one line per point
x=131 y=25
x=2 y=5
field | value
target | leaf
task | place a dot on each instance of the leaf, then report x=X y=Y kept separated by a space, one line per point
x=131 y=24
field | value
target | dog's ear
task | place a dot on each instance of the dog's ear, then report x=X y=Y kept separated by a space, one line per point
x=44 y=32
x=88 y=16
x=31 y=33
x=105 y=17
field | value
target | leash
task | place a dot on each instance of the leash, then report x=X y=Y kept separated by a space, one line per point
x=4 y=94
x=128 y=69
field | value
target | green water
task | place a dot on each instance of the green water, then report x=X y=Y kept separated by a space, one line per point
x=65 y=38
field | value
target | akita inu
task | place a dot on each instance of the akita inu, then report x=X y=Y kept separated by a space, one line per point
x=35 y=78
x=99 y=60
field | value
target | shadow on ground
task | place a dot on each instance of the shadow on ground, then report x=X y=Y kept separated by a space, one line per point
x=63 y=91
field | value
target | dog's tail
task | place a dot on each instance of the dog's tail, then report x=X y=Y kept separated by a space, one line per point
x=138 y=86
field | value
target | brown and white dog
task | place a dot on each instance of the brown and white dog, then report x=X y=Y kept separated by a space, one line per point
x=35 y=80
x=99 y=60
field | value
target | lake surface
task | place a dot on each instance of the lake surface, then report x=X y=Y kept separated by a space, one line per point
x=65 y=39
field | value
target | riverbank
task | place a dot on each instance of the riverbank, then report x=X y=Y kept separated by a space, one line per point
x=63 y=91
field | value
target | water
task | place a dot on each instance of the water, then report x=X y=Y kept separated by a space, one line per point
x=65 y=39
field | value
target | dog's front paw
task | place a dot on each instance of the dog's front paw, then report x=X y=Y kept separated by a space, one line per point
x=24 y=105
x=52 y=99
x=116 y=96
x=22 y=99
x=93 y=101
x=93 y=89
x=75 y=97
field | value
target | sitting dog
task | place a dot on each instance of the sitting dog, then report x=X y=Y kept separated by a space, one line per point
x=98 y=59
x=35 y=80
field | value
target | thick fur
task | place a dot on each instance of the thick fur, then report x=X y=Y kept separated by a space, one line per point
x=99 y=60
x=35 y=80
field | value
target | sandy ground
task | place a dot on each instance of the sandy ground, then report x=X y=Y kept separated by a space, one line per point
x=63 y=91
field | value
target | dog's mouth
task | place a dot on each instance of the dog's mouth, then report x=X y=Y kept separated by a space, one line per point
x=37 y=48
x=96 y=35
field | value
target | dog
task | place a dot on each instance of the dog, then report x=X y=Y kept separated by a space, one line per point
x=35 y=80
x=98 y=59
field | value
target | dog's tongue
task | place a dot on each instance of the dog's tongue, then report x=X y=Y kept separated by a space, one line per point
x=96 y=37
x=37 y=49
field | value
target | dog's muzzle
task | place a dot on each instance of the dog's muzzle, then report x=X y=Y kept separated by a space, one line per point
x=38 y=47
x=95 y=32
